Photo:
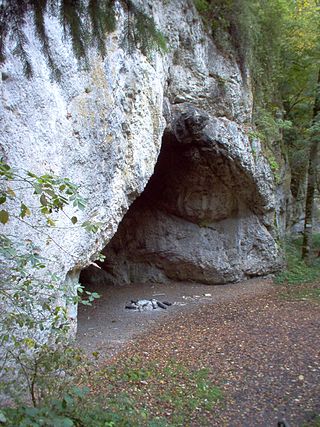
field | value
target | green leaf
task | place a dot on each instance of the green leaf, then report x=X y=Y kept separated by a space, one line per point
x=2 y=418
x=3 y=198
x=43 y=200
x=32 y=412
x=95 y=295
x=79 y=203
x=37 y=188
x=101 y=257
x=45 y=210
x=10 y=192
x=50 y=192
x=29 y=342
x=80 y=392
x=4 y=217
x=24 y=211
x=6 y=171
x=74 y=220
x=51 y=222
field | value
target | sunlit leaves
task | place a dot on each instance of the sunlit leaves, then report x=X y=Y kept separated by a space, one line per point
x=85 y=297
x=55 y=193
x=101 y=257
x=10 y=192
x=91 y=227
x=5 y=171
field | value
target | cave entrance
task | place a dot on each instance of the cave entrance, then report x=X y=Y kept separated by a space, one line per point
x=191 y=223
x=196 y=222
x=173 y=229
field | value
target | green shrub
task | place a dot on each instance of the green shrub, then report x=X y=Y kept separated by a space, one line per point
x=302 y=280
x=74 y=409
x=34 y=326
x=297 y=271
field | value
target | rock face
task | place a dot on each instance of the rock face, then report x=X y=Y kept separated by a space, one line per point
x=206 y=213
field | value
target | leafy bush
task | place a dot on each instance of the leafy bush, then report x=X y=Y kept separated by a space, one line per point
x=34 y=332
x=297 y=271
x=302 y=280
x=34 y=325
x=74 y=409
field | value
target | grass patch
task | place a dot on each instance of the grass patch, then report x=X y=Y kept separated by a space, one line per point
x=169 y=395
x=133 y=393
x=315 y=422
x=302 y=281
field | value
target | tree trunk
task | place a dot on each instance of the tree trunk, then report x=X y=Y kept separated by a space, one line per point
x=312 y=177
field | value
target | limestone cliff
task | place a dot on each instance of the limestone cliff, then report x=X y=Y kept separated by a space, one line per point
x=207 y=212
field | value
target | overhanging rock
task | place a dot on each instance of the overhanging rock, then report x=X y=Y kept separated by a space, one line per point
x=205 y=213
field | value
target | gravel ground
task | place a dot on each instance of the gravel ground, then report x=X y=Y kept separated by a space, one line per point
x=263 y=351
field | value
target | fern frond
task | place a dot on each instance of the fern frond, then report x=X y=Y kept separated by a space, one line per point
x=39 y=8
x=3 y=32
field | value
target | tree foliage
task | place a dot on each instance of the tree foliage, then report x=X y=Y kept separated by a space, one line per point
x=299 y=87
x=140 y=31
x=276 y=40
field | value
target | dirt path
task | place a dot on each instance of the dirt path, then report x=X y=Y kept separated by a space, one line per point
x=262 y=351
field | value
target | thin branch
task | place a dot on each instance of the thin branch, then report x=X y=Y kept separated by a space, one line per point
x=45 y=234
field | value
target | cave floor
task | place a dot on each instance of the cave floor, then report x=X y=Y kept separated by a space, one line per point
x=106 y=326
x=260 y=345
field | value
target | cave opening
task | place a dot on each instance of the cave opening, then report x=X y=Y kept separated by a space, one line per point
x=192 y=223
x=154 y=253
x=199 y=221
x=119 y=267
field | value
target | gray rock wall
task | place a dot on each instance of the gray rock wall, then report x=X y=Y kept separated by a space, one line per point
x=102 y=127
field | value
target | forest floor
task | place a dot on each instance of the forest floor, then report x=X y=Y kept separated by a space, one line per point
x=258 y=342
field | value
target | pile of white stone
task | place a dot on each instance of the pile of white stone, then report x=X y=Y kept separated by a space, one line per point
x=147 y=304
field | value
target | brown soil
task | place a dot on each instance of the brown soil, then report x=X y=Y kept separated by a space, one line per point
x=263 y=351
